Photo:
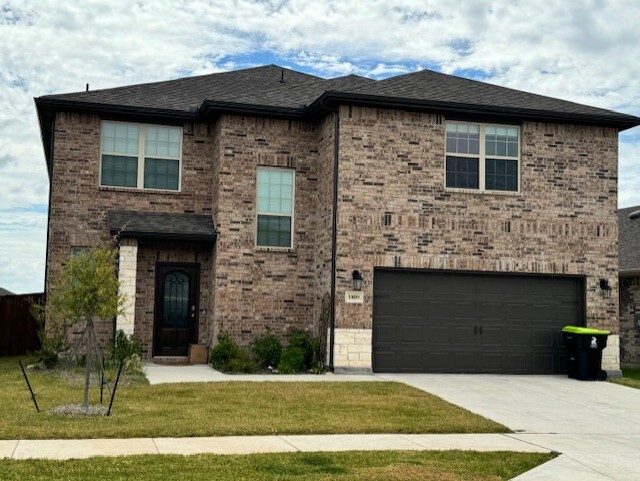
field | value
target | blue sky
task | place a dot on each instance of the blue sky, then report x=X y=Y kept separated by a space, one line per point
x=586 y=51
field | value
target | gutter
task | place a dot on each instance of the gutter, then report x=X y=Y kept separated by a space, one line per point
x=620 y=121
x=334 y=236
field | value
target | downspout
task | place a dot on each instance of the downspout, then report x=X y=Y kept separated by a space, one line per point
x=46 y=258
x=334 y=235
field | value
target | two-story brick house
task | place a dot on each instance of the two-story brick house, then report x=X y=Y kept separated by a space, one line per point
x=479 y=220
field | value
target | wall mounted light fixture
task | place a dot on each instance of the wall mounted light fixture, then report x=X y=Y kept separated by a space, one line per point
x=357 y=280
x=605 y=288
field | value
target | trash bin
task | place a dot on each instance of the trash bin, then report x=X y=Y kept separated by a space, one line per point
x=584 y=352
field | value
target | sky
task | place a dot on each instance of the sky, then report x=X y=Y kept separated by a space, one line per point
x=586 y=51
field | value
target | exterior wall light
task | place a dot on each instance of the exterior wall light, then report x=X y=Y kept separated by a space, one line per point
x=357 y=280
x=605 y=288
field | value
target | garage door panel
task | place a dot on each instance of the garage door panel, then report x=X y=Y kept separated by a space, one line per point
x=518 y=337
x=459 y=336
x=517 y=362
x=492 y=362
x=543 y=338
x=429 y=321
x=491 y=336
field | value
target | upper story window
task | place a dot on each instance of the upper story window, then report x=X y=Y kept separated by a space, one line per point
x=140 y=156
x=482 y=157
x=275 y=188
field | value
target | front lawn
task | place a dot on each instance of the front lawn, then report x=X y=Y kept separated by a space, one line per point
x=231 y=408
x=630 y=378
x=352 y=466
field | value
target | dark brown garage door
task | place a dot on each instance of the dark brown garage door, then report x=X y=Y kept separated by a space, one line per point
x=426 y=321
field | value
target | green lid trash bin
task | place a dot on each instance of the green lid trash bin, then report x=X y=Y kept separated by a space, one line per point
x=584 y=352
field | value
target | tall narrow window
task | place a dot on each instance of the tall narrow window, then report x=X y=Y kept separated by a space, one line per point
x=140 y=156
x=275 y=187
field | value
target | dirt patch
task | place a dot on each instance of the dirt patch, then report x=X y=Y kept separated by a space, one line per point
x=78 y=410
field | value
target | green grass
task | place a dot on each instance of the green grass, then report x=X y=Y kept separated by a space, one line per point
x=352 y=466
x=630 y=377
x=231 y=408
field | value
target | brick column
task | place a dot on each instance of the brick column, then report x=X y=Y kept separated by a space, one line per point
x=127 y=275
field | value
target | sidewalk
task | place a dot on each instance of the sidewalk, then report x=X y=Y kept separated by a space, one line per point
x=163 y=374
x=85 y=448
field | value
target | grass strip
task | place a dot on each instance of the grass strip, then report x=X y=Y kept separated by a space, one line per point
x=352 y=466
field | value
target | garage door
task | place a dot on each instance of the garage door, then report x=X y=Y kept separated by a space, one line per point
x=426 y=321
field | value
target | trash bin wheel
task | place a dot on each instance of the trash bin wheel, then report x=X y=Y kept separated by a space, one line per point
x=602 y=376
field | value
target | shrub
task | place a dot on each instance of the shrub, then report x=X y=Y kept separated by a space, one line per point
x=309 y=345
x=242 y=363
x=292 y=360
x=268 y=349
x=222 y=354
x=126 y=350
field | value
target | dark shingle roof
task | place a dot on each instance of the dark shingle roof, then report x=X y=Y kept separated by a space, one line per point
x=4 y=292
x=281 y=88
x=162 y=225
x=427 y=85
x=281 y=92
x=629 y=239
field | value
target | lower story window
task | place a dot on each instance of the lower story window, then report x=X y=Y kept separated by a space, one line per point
x=462 y=172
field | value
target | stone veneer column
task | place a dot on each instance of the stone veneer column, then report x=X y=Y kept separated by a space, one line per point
x=611 y=354
x=128 y=264
x=352 y=350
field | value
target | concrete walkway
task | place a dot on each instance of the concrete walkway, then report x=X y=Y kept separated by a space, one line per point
x=75 y=449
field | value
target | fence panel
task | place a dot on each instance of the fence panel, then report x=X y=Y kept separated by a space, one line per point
x=18 y=328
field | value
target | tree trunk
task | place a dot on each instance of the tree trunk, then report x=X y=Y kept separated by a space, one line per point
x=87 y=361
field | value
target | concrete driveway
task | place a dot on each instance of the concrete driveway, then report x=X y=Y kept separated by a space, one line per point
x=595 y=425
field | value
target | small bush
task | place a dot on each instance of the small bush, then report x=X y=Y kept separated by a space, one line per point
x=242 y=363
x=292 y=360
x=124 y=347
x=268 y=349
x=309 y=345
x=222 y=354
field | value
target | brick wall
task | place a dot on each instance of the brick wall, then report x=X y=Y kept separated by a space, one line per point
x=260 y=288
x=391 y=164
x=79 y=204
x=563 y=222
x=629 y=334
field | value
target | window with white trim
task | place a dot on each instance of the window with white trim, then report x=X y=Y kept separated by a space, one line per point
x=482 y=157
x=275 y=193
x=140 y=156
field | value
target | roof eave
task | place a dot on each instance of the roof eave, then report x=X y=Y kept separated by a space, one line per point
x=621 y=122
x=629 y=272
x=165 y=236
x=113 y=109
x=213 y=108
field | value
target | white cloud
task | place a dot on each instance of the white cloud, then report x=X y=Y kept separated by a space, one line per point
x=584 y=50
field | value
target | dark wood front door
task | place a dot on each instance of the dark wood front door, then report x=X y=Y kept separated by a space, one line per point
x=176 y=309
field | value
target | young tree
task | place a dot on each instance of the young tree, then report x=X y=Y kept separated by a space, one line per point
x=88 y=288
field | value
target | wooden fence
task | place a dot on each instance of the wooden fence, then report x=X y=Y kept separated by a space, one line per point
x=18 y=328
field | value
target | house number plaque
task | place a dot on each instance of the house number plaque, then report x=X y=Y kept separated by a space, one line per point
x=354 y=297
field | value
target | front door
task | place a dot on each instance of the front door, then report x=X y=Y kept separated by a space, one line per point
x=176 y=309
